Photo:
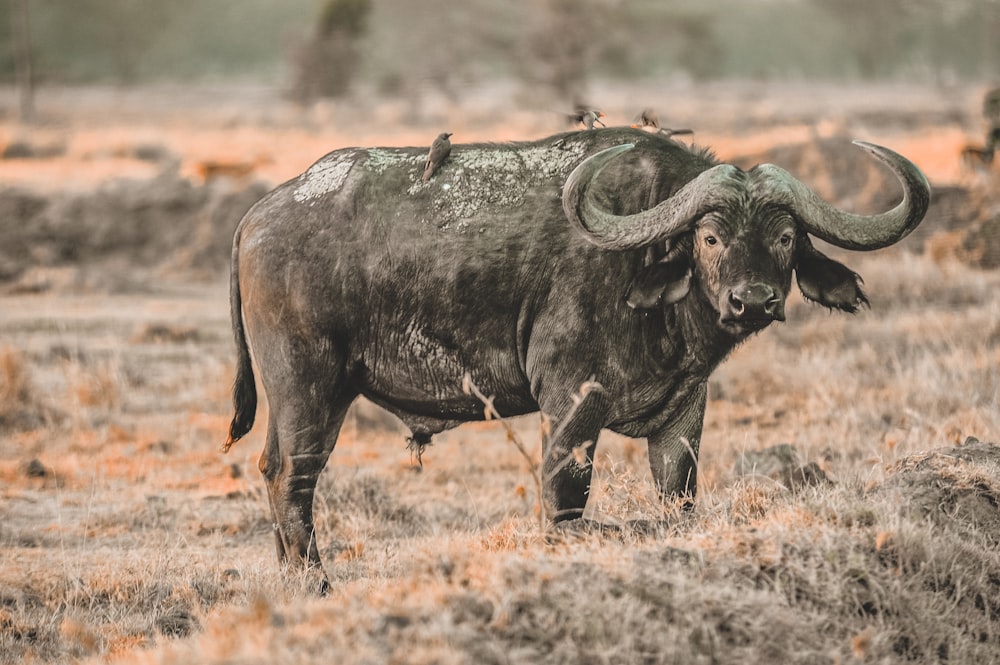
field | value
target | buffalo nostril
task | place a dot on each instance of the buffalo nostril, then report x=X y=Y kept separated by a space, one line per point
x=736 y=305
x=775 y=308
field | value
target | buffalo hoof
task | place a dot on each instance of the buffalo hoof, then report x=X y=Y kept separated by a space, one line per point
x=311 y=581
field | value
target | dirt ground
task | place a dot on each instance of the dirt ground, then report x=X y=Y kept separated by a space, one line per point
x=128 y=536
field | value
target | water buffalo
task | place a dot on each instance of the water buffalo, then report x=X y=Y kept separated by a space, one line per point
x=611 y=257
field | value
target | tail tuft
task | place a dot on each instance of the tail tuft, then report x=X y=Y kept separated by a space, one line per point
x=245 y=404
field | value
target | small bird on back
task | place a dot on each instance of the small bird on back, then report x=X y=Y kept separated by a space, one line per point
x=440 y=149
x=587 y=116
x=648 y=121
x=647 y=118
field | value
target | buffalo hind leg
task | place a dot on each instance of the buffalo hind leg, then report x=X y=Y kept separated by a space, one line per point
x=299 y=443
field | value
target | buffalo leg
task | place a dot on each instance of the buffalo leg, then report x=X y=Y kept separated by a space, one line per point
x=568 y=452
x=299 y=443
x=673 y=451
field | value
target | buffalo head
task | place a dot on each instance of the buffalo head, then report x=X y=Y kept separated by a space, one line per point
x=734 y=237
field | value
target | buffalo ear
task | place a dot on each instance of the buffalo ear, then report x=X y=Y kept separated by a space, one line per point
x=663 y=283
x=827 y=282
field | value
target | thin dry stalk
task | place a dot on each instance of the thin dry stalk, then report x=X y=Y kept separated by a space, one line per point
x=579 y=453
x=534 y=467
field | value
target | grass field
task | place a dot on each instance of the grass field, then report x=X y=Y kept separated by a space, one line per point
x=127 y=535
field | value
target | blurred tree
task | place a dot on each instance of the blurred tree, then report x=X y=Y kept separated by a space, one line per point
x=349 y=16
x=561 y=47
x=20 y=33
x=417 y=49
x=328 y=61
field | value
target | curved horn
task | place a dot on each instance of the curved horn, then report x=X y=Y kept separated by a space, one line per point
x=849 y=230
x=670 y=217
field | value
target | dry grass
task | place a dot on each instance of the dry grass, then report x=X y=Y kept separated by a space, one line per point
x=142 y=543
x=128 y=537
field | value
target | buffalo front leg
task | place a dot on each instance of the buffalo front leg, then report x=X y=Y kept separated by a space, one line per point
x=673 y=451
x=567 y=451
x=299 y=443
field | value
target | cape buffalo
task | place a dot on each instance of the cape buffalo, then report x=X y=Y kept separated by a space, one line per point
x=610 y=257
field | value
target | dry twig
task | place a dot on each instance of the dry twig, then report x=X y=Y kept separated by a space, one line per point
x=578 y=453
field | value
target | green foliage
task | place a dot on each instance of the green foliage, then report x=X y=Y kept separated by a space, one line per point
x=552 y=43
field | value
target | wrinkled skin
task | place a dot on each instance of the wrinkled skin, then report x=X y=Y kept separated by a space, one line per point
x=357 y=279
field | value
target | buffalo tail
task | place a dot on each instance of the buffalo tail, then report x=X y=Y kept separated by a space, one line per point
x=244 y=389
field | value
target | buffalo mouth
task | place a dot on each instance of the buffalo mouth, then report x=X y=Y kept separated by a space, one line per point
x=746 y=325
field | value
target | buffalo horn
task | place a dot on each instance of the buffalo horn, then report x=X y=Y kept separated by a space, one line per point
x=849 y=230
x=670 y=217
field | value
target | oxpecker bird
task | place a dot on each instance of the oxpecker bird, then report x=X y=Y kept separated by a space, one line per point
x=439 y=152
x=674 y=132
x=649 y=122
x=586 y=116
x=646 y=119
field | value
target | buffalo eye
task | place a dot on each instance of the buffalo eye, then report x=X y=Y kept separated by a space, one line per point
x=711 y=240
x=786 y=240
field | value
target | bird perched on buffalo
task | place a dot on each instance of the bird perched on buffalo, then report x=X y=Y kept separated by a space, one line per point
x=646 y=118
x=586 y=116
x=667 y=132
x=648 y=121
x=439 y=152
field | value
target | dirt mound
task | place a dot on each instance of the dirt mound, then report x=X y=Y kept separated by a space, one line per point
x=982 y=240
x=781 y=463
x=165 y=223
x=956 y=487
x=964 y=225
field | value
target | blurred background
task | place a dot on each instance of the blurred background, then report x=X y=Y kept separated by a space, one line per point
x=336 y=47
x=140 y=120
